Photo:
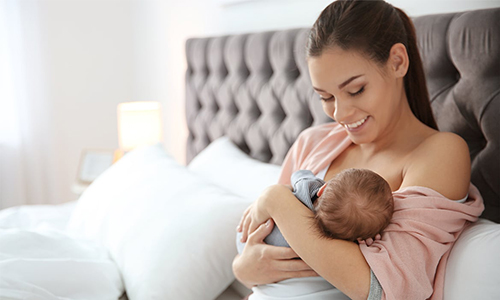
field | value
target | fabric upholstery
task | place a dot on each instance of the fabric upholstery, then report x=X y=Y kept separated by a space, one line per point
x=461 y=55
x=255 y=88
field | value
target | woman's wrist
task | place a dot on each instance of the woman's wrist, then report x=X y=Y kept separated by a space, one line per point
x=263 y=203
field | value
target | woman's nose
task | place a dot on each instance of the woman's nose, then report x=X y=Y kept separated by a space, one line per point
x=343 y=111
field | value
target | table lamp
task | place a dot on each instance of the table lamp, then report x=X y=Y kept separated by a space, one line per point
x=139 y=124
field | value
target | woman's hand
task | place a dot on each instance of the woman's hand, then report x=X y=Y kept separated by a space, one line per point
x=257 y=213
x=260 y=263
x=249 y=221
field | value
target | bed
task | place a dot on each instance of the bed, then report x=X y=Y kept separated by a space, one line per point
x=150 y=228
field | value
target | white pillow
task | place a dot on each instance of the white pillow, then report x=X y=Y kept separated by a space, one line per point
x=224 y=164
x=473 y=268
x=170 y=232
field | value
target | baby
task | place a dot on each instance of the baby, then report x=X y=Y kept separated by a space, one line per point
x=355 y=204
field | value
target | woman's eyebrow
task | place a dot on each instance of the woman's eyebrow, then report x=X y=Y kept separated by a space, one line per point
x=319 y=90
x=342 y=85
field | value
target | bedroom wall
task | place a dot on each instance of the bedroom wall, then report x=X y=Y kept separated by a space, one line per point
x=88 y=52
x=195 y=18
x=101 y=53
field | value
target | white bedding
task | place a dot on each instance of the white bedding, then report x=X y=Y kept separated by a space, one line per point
x=189 y=236
x=43 y=264
x=38 y=260
x=34 y=217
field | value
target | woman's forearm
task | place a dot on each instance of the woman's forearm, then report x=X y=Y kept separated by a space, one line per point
x=237 y=271
x=339 y=262
x=260 y=263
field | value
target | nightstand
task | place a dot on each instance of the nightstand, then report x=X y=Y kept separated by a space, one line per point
x=78 y=188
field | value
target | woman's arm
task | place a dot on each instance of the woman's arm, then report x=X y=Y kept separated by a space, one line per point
x=339 y=262
x=440 y=163
x=260 y=263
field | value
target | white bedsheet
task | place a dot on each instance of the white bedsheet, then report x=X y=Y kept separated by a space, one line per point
x=37 y=216
x=38 y=260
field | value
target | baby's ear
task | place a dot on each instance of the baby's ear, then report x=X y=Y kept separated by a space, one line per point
x=321 y=190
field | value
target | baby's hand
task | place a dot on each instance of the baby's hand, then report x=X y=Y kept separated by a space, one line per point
x=369 y=241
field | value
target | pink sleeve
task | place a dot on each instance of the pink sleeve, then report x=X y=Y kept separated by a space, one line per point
x=291 y=162
x=315 y=148
x=410 y=259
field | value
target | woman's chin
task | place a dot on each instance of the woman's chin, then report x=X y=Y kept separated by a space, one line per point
x=362 y=138
x=358 y=141
x=359 y=138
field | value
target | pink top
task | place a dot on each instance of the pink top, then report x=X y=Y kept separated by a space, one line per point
x=410 y=259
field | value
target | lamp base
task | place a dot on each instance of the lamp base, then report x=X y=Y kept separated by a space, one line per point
x=117 y=155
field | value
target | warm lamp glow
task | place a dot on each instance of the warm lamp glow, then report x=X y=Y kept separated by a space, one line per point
x=139 y=124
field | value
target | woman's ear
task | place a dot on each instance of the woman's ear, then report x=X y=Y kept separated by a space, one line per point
x=398 y=60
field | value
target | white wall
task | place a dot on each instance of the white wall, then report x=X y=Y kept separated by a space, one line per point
x=101 y=53
x=89 y=68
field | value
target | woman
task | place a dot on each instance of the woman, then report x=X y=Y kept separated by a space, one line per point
x=365 y=66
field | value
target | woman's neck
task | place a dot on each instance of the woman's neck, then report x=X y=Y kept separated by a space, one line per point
x=404 y=132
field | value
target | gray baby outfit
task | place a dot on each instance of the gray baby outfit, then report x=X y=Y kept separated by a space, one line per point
x=305 y=188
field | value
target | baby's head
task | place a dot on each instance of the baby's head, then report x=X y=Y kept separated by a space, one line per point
x=357 y=203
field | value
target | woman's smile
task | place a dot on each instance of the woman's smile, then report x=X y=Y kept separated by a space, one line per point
x=355 y=126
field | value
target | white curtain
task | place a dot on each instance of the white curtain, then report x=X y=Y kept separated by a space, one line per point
x=26 y=157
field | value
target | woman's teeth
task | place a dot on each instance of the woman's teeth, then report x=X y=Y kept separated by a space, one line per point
x=356 y=124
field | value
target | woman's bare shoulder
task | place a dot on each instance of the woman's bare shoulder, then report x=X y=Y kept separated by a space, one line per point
x=440 y=162
x=443 y=141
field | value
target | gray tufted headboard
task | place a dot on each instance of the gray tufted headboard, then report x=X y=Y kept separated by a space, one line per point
x=255 y=88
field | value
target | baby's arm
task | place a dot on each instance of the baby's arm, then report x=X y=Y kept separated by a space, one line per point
x=305 y=187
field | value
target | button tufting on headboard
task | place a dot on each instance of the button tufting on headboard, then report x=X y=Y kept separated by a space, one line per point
x=461 y=54
x=255 y=88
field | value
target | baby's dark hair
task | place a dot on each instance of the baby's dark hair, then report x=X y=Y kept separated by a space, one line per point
x=357 y=203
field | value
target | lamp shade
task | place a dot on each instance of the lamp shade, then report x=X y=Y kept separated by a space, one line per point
x=139 y=124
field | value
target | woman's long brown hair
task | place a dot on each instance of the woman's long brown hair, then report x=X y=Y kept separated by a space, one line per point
x=373 y=27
